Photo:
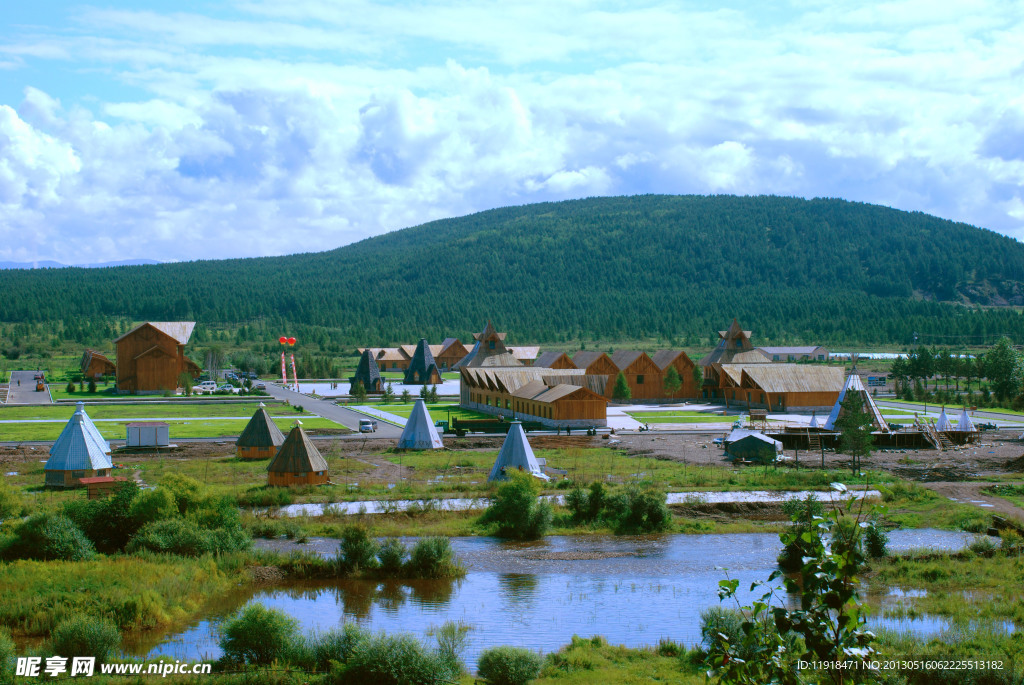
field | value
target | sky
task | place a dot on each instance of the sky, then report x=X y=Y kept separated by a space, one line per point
x=185 y=129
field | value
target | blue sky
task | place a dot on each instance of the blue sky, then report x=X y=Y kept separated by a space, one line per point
x=190 y=130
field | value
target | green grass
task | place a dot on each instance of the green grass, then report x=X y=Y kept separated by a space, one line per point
x=134 y=411
x=179 y=428
x=58 y=391
x=438 y=412
x=586 y=661
x=1013 y=493
x=909 y=505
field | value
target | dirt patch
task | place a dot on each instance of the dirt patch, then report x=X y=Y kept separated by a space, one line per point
x=754 y=511
x=970 y=493
x=266 y=575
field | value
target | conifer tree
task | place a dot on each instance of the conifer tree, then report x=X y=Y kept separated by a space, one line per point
x=621 y=391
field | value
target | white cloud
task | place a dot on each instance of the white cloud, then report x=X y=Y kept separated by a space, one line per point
x=279 y=127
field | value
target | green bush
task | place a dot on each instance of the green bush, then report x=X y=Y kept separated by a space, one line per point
x=11 y=502
x=315 y=651
x=7 y=656
x=186 y=537
x=517 y=509
x=188 y=492
x=358 y=551
x=637 y=511
x=394 y=660
x=47 y=536
x=107 y=522
x=433 y=557
x=258 y=635
x=876 y=540
x=391 y=558
x=451 y=638
x=508 y=665
x=83 y=635
x=153 y=505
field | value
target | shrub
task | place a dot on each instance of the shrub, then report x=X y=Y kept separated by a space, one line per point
x=153 y=505
x=433 y=557
x=637 y=511
x=48 y=536
x=451 y=643
x=358 y=551
x=108 y=522
x=7 y=655
x=982 y=546
x=391 y=557
x=394 y=660
x=517 y=509
x=876 y=540
x=11 y=502
x=508 y=665
x=315 y=651
x=71 y=387
x=186 y=537
x=188 y=492
x=92 y=386
x=83 y=635
x=715 y=620
x=258 y=635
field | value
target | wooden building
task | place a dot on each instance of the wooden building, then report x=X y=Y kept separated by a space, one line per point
x=261 y=438
x=450 y=353
x=811 y=353
x=596 y=364
x=780 y=387
x=554 y=360
x=642 y=375
x=422 y=369
x=549 y=396
x=298 y=462
x=151 y=357
x=368 y=373
x=526 y=355
x=681 y=362
x=95 y=365
x=388 y=358
x=489 y=350
x=734 y=347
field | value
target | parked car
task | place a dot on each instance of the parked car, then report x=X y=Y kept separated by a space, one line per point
x=205 y=386
x=367 y=426
x=261 y=386
x=227 y=386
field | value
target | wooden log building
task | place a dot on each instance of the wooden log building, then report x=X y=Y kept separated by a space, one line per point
x=297 y=462
x=151 y=357
x=96 y=365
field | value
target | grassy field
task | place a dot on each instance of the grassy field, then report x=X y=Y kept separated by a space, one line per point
x=132 y=411
x=438 y=412
x=179 y=428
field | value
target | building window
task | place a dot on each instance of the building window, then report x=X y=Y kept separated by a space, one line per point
x=508 y=405
x=78 y=474
x=640 y=379
x=821 y=357
x=490 y=344
x=762 y=398
x=775 y=357
x=300 y=475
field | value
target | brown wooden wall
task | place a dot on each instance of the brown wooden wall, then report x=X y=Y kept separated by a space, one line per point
x=100 y=367
x=66 y=479
x=255 y=452
x=156 y=371
x=285 y=479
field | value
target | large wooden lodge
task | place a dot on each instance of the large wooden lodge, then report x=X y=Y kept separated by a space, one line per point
x=151 y=357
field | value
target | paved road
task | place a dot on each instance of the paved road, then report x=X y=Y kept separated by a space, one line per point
x=329 y=410
x=25 y=393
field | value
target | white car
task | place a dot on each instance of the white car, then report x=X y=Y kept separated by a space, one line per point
x=205 y=386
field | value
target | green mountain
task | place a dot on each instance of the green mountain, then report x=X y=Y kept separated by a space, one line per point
x=677 y=267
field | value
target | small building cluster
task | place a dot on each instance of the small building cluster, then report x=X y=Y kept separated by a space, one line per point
x=446 y=356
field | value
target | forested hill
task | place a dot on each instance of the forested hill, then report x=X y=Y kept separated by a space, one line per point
x=677 y=267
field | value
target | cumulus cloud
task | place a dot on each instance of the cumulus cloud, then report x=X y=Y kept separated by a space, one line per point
x=281 y=127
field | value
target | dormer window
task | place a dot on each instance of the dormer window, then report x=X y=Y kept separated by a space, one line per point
x=490 y=344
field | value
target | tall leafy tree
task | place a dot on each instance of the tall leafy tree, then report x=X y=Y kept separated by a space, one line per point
x=672 y=381
x=621 y=391
x=1003 y=368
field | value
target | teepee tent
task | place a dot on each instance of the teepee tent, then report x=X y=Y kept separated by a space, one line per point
x=814 y=421
x=298 y=462
x=79 y=452
x=261 y=437
x=853 y=384
x=419 y=432
x=516 y=453
x=964 y=423
x=943 y=425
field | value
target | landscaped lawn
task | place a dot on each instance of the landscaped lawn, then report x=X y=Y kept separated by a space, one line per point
x=438 y=412
x=179 y=428
x=136 y=411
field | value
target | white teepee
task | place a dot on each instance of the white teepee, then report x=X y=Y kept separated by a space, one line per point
x=516 y=453
x=80 y=446
x=943 y=425
x=419 y=433
x=964 y=423
x=853 y=384
x=814 y=421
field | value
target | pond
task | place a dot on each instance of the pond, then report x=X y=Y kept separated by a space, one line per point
x=631 y=590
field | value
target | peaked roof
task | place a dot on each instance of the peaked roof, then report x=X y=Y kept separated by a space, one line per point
x=732 y=343
x=261 y=431
x=297 y=454
x=419 y=432
x=521 y=353
x=664 y=358
x=853 y=384
x=964 y=423
x=422 y=365
x=483 y=356
x=80 y=446
x=516 y=453
x=546 y=359
x=367 y=372
x=179 y=330
x=489 y=333
x=943 y=423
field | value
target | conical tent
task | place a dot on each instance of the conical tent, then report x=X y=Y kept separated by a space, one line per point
x=80 y=448
x=419 y=433
x=298 y=461
x=853 y=384
x=368 y=373
x=943 y=424
x=964 y=423
x=261 y=437
x=516 y=454
x=814 y=421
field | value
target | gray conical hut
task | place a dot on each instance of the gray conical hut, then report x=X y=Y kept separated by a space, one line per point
x=419 y=432
x=422 y=368
x=261 y=437
x=298 y=462
x=79 y=452
x=368 y=374
x=516 y=454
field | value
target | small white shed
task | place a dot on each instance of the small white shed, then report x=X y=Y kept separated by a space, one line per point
x=148 y=434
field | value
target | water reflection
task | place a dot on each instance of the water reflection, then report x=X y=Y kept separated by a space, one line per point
x=518 y=589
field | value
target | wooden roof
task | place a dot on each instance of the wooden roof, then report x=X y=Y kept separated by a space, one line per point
x=633 y=360
x=297 y=454
x=786 y=378
x=666 y=358
x=422 y=365
x=489 y=333
x=549 y=359
x=521 y=353
x=367 y=372
x=181 y=331
x=261 y=431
